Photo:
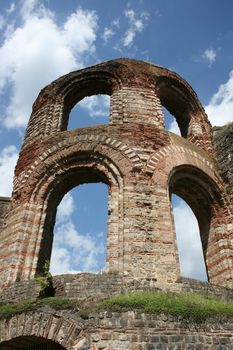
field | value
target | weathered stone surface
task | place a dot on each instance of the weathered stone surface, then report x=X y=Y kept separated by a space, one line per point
x=142 y=164
x=137 y=158
x=116 y=331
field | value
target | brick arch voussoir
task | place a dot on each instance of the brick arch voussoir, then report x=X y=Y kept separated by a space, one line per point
x=117 y=158
x=51 y=105
x=123 y=156
x=172 y=156
x=49 y=326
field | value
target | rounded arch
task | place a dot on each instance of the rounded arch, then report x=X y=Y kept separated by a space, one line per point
x=42 y=328
x=52 y=176
x=194 y=178
x=52 y=107
x=202 y=194
x=182 y=102
x=206 y=200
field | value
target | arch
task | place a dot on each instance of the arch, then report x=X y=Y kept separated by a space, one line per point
x=55 y=174
x=185 y=167
x=42 y=328
x=52 y=107
x=182 y=102
x=108 y=147
x=200 y=193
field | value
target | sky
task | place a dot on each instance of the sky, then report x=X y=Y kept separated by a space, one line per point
x=42 y=40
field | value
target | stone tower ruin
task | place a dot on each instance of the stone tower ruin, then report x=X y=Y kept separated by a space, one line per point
x=142 y=164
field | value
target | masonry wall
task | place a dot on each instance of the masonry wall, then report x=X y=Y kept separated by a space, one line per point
x=142 y=164
x=113 y=330
x=4 y=208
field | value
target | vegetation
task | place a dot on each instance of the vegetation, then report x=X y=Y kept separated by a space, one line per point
x=45 y=281
x=57 y=303
x=187 y=306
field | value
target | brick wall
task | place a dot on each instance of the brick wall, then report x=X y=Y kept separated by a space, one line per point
x=142 y=164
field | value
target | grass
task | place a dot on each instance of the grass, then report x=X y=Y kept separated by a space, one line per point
x=187 y=306
x=57 y=303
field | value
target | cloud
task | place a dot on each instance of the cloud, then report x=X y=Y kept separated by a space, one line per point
x=220 y=107
x=210 y=56
x=38 y=51
x=72 y=251
x=97 y=105
x=65 y=209
x=8 y=159
x=189 y=243
x=173 y=127
x=136 y=25
x=107 y=34
x=110 y=31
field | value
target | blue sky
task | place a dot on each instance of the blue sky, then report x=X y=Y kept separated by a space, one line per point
x=41 y=40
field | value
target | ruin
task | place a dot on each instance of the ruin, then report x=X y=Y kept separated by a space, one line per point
x=143 y=165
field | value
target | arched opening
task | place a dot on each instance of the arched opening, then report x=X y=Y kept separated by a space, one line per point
x=90 y=111
x=192 y=262
x=91 y=89
x=30 y=343
x=202 y=195
x=79 y=242
x=177 y=102
x=170 y=122
x=79 y=169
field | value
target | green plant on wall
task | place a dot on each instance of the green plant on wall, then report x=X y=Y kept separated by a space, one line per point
x=45 y=281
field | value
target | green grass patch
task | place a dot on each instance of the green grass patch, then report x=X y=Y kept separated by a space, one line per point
x=57 y=303
x=12 y=309
x=187 y=306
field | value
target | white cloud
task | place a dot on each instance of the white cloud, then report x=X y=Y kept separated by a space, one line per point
x=220 y=107
x=97 y=105
x=173 y=127
x=136 y=25
x=189 y=243
x=107 y=34
x=210 y=56
x=65 y=209
x=8 y=159
x=110 y=31
x=74 y=252
x=39 y=51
